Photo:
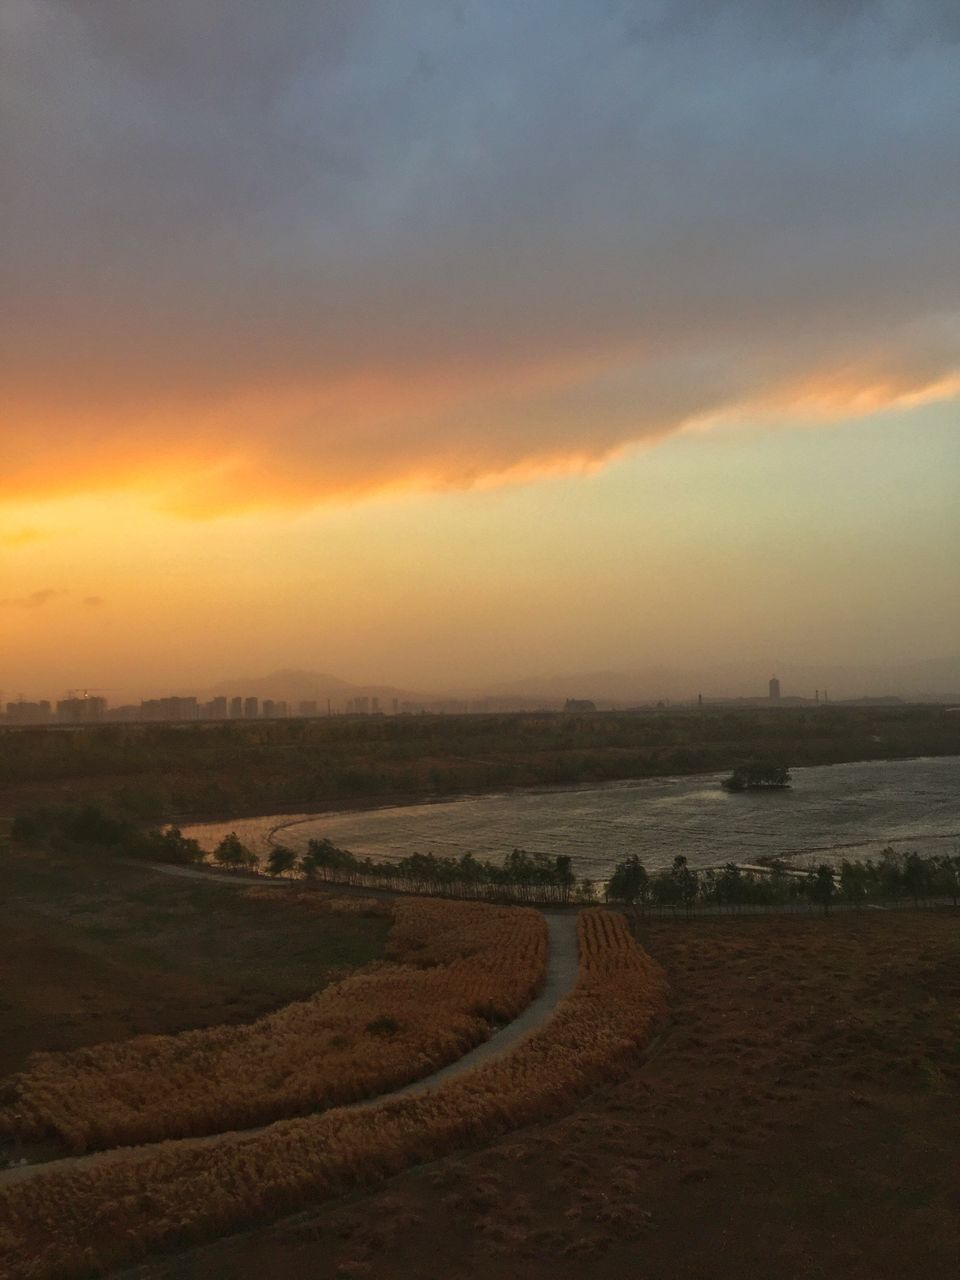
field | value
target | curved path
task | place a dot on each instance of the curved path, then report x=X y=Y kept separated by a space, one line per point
x=561 y=974
x=562 y=966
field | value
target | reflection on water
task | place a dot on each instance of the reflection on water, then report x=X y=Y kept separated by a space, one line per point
x=831 y=810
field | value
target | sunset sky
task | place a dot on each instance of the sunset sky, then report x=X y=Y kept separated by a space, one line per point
x=445 y=343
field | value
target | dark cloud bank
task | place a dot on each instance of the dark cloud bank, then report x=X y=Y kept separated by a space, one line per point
x=335 y=245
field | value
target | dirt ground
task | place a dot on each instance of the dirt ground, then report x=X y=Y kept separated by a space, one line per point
x=100 y=951
x=798 y=1118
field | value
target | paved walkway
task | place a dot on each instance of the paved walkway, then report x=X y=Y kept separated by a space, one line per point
x=562 y=965
x=561 y=974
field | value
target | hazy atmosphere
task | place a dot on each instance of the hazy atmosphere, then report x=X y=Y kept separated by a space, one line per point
x=479 y=639
x=449 y=345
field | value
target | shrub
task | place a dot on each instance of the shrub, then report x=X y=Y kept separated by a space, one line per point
x=91 y=825
x=383 y=1026
x=86 y=825
x=169 y=845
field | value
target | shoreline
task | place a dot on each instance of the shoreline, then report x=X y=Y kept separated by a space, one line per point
x=403 y=800
x=283 y=819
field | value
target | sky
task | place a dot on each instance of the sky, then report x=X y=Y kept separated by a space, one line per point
x=448 y=343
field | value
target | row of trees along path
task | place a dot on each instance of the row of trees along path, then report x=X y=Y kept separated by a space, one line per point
x=895 y=879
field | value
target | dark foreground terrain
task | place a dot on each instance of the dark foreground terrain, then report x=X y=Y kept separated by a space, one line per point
x=800 y=1117
x=93 y=951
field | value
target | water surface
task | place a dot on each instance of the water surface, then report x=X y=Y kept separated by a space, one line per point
x=851 y=810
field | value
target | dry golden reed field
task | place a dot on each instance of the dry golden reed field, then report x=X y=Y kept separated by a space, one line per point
x=111 y=1209
x=453 y=969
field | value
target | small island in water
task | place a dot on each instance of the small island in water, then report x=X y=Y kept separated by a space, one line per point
x=757 y=777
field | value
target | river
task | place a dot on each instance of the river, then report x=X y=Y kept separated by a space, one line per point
x=831 y=811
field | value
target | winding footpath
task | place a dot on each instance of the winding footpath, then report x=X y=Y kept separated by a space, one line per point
x=561 y=974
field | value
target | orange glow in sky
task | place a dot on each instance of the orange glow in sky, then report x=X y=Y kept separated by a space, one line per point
x=424 y=348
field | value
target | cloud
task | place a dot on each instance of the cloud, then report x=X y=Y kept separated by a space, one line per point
x=288 y=253
x=35 y=600
x=93 y=602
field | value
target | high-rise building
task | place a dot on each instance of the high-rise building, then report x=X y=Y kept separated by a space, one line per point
x=169 y=709
x=128 y=713
x=269 y=708
x=236 y=708
x=21 y=712
x=251 y=708
x=774 y=689
x=81 y=710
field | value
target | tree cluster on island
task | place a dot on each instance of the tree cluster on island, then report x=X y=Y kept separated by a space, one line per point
x=756 y=777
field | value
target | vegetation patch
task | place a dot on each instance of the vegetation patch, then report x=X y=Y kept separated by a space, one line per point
x=111 y=1209
x=154 y=772
x=521 y=877
x=787 y=1125
x=893 y=879
x=757 y=775
x=454 y=968
x=94 y=951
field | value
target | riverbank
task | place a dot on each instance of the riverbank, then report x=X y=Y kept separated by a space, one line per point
x=211 y=770
x=851 y=810
x=402 y=800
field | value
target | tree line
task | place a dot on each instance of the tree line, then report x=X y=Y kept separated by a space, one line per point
x=523 y=877
x=893 y=878
x=539 y=879
x=156 y=773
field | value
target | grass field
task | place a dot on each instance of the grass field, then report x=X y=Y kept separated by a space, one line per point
x=453 y=971
x=76 y=1219
x=91 y=953
x=799 y=1118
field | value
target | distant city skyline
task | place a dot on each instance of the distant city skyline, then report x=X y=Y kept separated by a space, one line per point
x=281 y=697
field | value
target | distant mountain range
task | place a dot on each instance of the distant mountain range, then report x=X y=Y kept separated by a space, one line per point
x=310 y=686
x=933 y=680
